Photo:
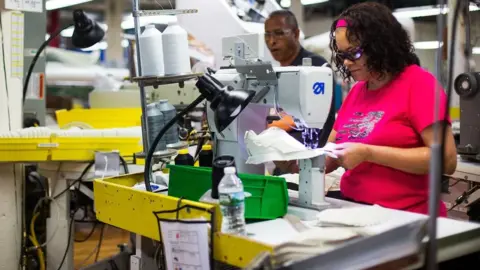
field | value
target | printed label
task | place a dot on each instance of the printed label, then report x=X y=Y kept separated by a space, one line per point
x=232 y=199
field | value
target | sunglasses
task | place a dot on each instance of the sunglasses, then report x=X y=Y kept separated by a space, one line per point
x=351 y=55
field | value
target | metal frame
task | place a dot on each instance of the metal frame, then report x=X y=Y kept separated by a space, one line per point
x=136 y=13
x=136 y=259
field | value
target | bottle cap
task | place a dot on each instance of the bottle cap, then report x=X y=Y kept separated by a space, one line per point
x=229 y=170
x=183 y=151
x=206 y=147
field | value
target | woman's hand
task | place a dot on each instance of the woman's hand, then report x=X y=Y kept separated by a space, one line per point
x=350 y=155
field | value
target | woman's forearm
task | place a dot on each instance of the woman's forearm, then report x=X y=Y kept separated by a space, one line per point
x=411 y=160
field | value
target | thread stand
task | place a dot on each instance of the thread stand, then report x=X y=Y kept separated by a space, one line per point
x=162 y=80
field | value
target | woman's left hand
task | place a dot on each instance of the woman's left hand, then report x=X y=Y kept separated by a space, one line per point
x=350 y=155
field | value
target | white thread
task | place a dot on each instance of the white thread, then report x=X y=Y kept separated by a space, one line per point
x=176 y=50
x=152 y=52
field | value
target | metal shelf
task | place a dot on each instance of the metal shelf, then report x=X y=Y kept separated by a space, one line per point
x=155 y=81
x=144 y=13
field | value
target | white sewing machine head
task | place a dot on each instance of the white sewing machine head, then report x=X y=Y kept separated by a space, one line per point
x=304 y=92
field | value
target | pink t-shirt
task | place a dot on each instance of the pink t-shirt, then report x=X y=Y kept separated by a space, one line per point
x=395 y=116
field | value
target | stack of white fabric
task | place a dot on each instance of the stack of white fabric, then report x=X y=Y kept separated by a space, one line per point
x=332 y=229
x=275 y=144
x=45 y=132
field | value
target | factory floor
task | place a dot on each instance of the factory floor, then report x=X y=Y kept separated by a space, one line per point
x=85 y=252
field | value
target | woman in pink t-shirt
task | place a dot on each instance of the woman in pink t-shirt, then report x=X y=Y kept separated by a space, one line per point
x=385 y=125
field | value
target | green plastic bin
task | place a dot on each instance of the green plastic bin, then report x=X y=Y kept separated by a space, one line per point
x=269 y=198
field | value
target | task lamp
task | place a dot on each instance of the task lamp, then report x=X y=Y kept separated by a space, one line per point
x=226 y=103
x=86 y=33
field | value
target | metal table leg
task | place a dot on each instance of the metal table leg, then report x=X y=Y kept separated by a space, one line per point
x=58 y=230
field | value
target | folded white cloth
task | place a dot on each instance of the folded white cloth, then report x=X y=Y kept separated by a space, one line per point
x=275 y=144
x=360 y=216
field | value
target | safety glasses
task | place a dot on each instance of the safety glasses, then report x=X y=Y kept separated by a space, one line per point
x=351 y=55
x=278 y=34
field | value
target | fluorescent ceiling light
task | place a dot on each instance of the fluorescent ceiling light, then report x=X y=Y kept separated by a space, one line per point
x=56 y=4
x=128 y=23
x=476 y=50
x=285 y=3
x=69 y=31
x=312 y=2
x=427 y=45
x=424 y=11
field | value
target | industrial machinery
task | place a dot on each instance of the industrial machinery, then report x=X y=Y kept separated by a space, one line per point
x=467 y=86
x=305 y=92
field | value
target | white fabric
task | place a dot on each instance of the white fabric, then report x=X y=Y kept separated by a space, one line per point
x=360 y=216
x=275 y=144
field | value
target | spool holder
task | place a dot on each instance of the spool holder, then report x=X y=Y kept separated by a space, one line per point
x=153 y=81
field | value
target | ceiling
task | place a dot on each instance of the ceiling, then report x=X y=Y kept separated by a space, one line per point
x=330 y=8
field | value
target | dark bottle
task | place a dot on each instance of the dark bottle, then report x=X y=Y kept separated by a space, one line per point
x=205 y=158
x=184 y=158
x=219 y=164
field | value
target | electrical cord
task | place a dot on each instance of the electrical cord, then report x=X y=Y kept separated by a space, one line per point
x=35 y=59
x=70 y=232
x=125 y=165
x=151 y=150
x=100 y=242
x=95 y=224
x=79 y=179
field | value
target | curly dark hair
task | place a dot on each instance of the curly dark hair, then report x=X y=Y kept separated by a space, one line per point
x=382 y=38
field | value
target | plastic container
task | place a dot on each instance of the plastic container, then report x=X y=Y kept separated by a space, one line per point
x=266 y=197
x=232 y=203
x=176 y=50
x=169 y=112
x=205 y=157
x=184 y=158
x=155 y=121
x=151 y=52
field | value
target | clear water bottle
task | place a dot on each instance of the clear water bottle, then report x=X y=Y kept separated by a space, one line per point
x=169 y=112
x=232 y=203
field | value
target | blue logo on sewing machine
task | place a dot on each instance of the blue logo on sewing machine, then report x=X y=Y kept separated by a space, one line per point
x=319 y=88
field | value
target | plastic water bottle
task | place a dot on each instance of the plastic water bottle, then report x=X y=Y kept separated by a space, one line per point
x=232 y=203
x=169 y=112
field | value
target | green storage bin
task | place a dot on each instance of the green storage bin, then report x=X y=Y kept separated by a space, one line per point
x=269 y=198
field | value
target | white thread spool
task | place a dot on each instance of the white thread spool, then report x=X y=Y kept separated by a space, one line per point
x=175 y=50
x=151 y=52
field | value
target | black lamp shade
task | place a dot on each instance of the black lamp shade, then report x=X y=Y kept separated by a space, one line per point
x=229 y=106
x=226 y=102
x=86 y=32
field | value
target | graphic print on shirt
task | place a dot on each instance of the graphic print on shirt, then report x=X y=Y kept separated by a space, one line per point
x=360 y=125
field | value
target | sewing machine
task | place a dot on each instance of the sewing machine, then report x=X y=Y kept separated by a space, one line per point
x=305 y=92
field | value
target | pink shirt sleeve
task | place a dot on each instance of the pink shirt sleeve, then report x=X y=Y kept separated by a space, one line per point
x=422 y=95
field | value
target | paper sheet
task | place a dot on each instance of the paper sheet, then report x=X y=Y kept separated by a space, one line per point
x=17 y=45
x=185 y=245
x=25 y=5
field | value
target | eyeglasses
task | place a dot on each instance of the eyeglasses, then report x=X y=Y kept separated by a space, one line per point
x=351 y=55
x=281 y=33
